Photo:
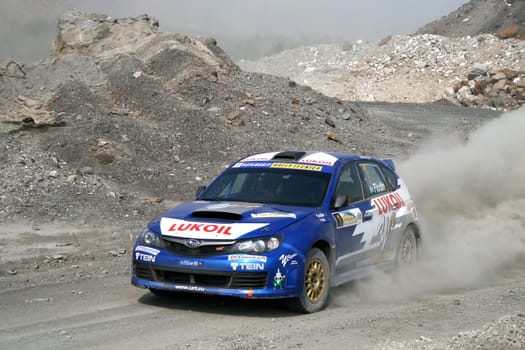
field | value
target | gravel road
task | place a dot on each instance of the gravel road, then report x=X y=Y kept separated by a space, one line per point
x=68 y=287
x=106 y=313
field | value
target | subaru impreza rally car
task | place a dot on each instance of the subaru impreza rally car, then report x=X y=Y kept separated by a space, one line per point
x=282 y=225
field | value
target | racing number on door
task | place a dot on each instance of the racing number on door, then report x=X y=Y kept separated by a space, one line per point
x=384 y=204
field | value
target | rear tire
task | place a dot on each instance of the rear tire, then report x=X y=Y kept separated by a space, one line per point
x=316 y=284
x=407 y=253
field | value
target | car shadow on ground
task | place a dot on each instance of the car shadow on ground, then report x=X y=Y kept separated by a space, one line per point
x=218 y=304
x=233 y=306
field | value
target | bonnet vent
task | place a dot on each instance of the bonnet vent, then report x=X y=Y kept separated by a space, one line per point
x=208 y=214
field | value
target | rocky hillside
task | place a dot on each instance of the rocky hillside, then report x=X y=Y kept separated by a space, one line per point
x=408 y=68
x=504 y=18
x=122 y=118
x=472 y=57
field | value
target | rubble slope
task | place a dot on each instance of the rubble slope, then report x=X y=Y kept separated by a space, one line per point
x=121 y=119
x=403 y=68
x=504 y=18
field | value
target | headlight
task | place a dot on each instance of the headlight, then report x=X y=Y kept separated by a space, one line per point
x=257 y=246
x=150 y=238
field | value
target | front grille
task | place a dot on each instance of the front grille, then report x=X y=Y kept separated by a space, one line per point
x=173 y=277
x=144 y=272
x=232 y=280
x=202 y=251
x=249 y=280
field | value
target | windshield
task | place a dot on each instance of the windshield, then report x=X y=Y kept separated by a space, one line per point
x=268 y=185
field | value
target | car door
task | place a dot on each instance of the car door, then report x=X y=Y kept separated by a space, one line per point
x=364 y=221
x=348 y=218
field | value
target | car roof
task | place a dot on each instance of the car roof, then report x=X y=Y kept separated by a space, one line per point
x=323 y=161
x=309 y=157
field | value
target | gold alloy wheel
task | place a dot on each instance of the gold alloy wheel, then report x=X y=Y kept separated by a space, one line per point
x=315 y=281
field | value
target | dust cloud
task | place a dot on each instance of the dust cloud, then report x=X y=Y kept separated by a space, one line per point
x=471 y=201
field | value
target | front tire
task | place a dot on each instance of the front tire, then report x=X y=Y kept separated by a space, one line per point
x=316 y=284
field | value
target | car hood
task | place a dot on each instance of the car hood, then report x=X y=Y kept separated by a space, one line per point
x=226 y=220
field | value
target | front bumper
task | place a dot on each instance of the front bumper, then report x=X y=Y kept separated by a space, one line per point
x=278 y=274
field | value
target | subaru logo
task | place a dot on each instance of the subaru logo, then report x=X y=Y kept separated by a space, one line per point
x=192 y=243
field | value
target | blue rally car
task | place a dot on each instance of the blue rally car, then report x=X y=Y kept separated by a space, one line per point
x=282 y=225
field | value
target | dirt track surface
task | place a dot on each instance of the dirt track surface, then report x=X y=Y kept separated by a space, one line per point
x=69 y=287
x=107 y=313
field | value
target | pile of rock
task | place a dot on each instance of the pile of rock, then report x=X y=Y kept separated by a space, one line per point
x=502 y=89
x=122 y=118
x=504 y=18
x=401 y=68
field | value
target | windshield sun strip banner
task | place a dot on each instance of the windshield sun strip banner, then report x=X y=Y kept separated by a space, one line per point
x=296 y=166
x=282 y=165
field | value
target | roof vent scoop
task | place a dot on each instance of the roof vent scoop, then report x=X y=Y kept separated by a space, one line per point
x=290 y=155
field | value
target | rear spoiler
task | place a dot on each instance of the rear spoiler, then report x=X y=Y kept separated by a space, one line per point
x=390 y=163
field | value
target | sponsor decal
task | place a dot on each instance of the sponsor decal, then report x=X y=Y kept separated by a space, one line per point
x=205 y=230
x=252 y=165
x=321 y=217
x=377 y=187
x=278 y=280
x=145 y=257
x=260 y=258
x=348 y=217
x=389 y=202
x=190 y=288
x=296 y=166
x=262 y=156
x=145 y=249
x=220 y=206
x=247 y=266
x=273 y=215
x=192 y=263
x=319 y=158
x=285 y=258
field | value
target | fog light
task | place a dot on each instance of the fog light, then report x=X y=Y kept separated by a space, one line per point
x=149 y=238
x=273 y=243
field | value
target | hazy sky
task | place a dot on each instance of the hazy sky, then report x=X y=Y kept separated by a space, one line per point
x=366 y=18
x=27 y=27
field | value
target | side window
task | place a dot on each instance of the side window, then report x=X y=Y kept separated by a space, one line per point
x=391 y=177
x=373 y=179
x=349 y=184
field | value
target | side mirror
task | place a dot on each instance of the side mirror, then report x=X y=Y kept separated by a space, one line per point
x=340 y=201
x=200 y=189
